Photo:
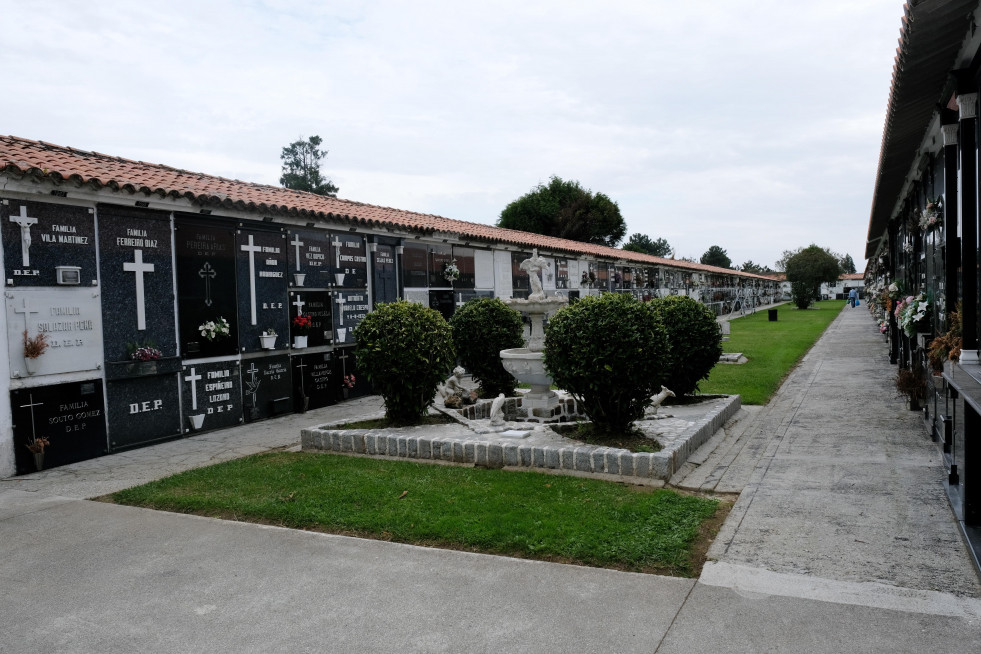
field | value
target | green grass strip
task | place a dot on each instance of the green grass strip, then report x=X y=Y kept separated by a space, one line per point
x=773 y=349
x=524 y=514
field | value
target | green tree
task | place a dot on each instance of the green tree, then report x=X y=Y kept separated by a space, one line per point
x=301 y=167
x=566 y=210
x=716 y=256
x=847 y=265
x=807 y=269
x=755 y=268
x=644 y=244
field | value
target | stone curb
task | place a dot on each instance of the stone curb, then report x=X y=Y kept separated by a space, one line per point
x=591 y=459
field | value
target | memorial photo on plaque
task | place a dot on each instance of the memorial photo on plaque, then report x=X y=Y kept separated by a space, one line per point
x=143 y=410
x=316 y=382
x=267 y=387
x=47 y=244
x=350 y=308
x=57 y=425
x=262 y=298
x=207 y=309
x=137 y=283
x=310 y=262
x=349 y=260
x=317 y=305
x=212 y=395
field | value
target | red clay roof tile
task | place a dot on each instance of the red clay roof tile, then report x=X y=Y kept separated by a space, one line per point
x=60 y=163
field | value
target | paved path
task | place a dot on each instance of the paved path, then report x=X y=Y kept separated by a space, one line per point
x=841 y=541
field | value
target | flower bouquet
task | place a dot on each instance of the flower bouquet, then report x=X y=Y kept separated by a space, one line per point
x=214 y=329
x=451 y=272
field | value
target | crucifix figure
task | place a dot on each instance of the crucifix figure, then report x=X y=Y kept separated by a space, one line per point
x=207 y=273
x=297 y=243
x=193 y=378
x=299 y=304
x=251 y=248
x=340 y=309
x=337 y=252
x=137 y=266
x=25 y=234
x=27 y=311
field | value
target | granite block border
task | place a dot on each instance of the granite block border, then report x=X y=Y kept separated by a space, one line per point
x=574 y=458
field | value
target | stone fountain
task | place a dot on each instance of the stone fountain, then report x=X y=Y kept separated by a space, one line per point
x=525 y=363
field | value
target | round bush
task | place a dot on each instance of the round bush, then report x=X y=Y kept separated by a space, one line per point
x=481 y=329
x=405 y=349
x=695 y=338
x=611 y=352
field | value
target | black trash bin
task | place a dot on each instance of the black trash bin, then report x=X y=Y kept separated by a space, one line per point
x=773 y=314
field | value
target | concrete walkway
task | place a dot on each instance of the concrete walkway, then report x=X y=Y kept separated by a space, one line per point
x=841 y=541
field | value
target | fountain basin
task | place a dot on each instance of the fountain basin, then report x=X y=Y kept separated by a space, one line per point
x=527 y=366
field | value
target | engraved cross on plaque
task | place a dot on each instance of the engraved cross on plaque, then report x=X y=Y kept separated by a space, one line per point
x=297 y=242
x=31 y=404
x=251 y=248
x=299 y=304
x=207 y=273
x=137 y=266
x=27 y=311
x=193 y=378
x=25 y=234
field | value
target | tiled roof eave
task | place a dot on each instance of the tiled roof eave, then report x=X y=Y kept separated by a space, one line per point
x=58 y=165
x=931 y=36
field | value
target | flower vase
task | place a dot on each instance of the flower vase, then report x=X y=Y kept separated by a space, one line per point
x=339 y=278
x=268 y=341
x=31 y=365
x=298 y=278
x=341 y=334
x=197 y=421
x=299 y=341
x=345 y=392
x=38 y=460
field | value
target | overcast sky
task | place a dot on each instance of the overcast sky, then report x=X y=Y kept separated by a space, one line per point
x=754 y=126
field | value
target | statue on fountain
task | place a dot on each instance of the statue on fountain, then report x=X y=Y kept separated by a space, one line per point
x=534 y=267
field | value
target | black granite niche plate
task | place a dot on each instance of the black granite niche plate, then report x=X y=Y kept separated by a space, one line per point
x=136 y=262
x=212 y=395
x=267 y=388
x=262 y=291
x=142 y=410
x=58 y=235
x=71 y=416
x=206 y=284
x=316 y=382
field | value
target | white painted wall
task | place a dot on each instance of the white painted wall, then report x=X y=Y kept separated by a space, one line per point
x=483 y=261
x=502 y=274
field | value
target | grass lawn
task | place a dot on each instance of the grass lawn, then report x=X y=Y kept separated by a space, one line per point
x=521 y=514
x=773 y=349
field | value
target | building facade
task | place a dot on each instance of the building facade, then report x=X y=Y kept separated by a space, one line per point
x=166 y=299
x=922 y=246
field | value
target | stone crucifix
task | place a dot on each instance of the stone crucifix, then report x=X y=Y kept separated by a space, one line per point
x=24 y=222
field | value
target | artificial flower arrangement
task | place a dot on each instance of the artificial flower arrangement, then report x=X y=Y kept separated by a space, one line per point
x=896 y=290
x=302 y=324
x=932 y=215
x=348 y=381
x=145 y=353
x=911 y=311
x=38 y=443
x=213 y=329
x=34 y=346
x=451 y=272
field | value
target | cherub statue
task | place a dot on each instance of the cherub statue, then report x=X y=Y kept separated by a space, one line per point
x=534 y=266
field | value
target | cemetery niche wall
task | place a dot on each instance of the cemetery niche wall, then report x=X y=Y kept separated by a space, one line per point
x=158 y=308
